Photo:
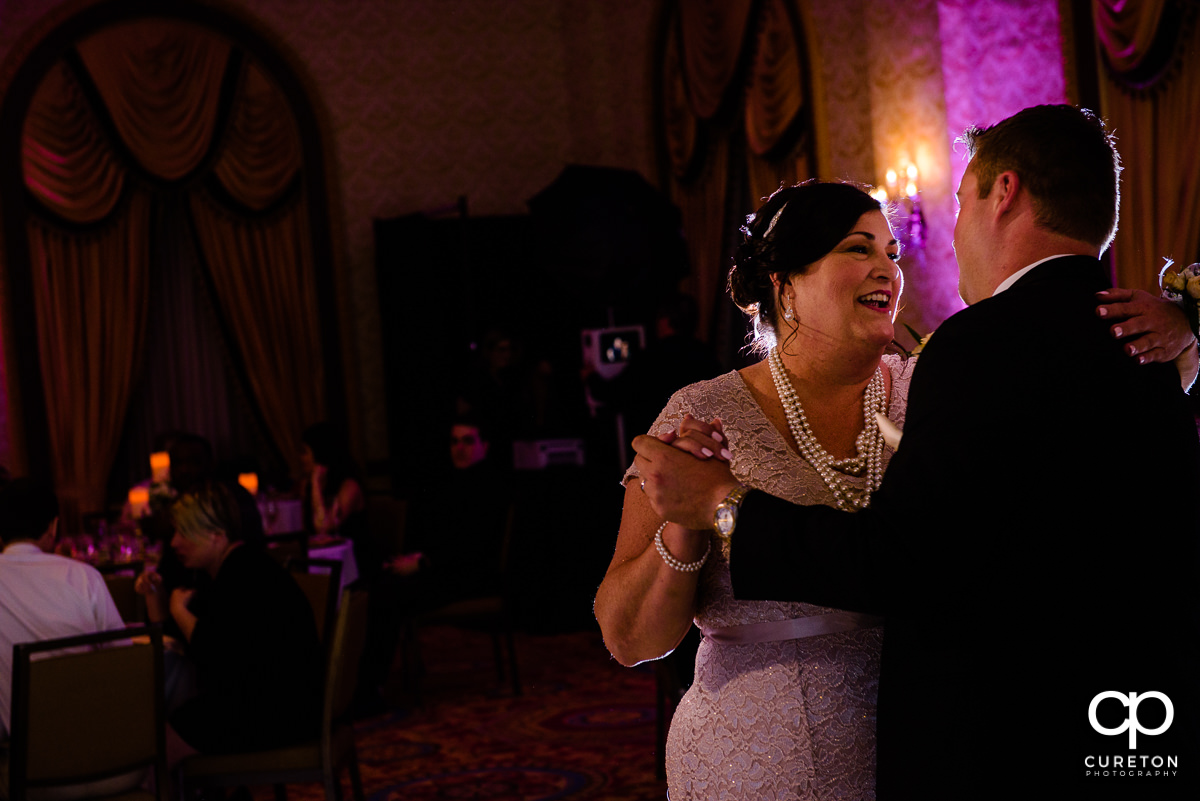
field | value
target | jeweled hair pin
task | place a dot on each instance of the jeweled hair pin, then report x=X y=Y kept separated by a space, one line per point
x=774 y=220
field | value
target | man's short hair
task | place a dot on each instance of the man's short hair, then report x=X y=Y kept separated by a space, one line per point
x=27 y=507
x=1066 y=160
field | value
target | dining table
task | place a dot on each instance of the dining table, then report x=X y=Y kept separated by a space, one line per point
x=337 y=549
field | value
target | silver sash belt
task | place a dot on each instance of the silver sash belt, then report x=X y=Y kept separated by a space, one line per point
x=794 y=629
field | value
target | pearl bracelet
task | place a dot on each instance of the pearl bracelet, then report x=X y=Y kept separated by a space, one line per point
x=672 y=562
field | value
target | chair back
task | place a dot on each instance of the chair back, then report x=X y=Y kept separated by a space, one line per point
x=82 y=713
x=349 y=637
x=321 y=581
x=131 y=605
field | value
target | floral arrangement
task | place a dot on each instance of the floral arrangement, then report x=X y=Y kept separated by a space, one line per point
x=1183 y=287
x=162 y=495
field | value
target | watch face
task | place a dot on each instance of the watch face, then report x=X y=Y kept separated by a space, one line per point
x=725 y=520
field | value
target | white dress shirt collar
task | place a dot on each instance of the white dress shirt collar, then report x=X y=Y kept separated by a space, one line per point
x=1012 y=279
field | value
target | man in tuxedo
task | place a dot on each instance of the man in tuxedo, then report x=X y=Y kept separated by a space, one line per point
x=1034 y=543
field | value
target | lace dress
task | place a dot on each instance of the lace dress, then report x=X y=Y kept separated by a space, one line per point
x=793 y=719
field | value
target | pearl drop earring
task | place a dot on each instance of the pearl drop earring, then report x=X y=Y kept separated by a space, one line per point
x=787 y=313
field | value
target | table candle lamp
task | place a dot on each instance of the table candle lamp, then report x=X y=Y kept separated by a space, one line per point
x=249 y=481
x=160 y=467
x=139 y=502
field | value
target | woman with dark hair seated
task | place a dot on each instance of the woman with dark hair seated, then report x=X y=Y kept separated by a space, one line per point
x=250 y=634
x=332 y=494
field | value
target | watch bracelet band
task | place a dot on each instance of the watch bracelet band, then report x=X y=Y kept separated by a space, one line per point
x=734 y=500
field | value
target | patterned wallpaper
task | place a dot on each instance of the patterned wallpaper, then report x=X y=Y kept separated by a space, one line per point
x=426 y=101
x=999 y=57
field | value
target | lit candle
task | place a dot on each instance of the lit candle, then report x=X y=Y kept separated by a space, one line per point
x=880 y=194
x=249 y=481
x=139 y=502
x=911 y=189
x=160 y=467
x=891 y=183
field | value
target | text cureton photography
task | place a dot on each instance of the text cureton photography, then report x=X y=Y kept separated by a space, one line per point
x=1131 y=765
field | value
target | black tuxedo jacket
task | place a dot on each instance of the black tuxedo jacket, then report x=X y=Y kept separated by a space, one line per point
x=1034 y=543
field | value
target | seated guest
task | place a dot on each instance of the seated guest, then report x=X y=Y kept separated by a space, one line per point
x=454 y=533
x=254 y=641
x=193 y=465
x=456 y=526
x=332 y=494
x=43 y=596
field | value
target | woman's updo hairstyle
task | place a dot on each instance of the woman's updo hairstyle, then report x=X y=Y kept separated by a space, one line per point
x=798 y=225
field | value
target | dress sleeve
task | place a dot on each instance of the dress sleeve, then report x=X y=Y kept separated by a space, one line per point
x=901 y=370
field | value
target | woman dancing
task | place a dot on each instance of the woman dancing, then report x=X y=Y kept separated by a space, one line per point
x=785 y=708
x=783 y=702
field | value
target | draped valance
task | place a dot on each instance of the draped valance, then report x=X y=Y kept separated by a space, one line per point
x=712 y=32
x=776 y=91
x=1142 y=42
x=69 y=166
x=138 y=108
x=1149 y=93
x=733 y=114
x=706 y=50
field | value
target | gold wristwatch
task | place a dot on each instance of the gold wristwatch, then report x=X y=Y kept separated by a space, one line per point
x=725 y=515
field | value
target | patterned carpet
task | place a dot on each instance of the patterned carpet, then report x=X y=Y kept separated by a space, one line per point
x=583 y=729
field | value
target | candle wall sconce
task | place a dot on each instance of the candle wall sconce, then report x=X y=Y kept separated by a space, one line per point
x=907 y=200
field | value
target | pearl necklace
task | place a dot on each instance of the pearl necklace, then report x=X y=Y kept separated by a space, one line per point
x=868 y=446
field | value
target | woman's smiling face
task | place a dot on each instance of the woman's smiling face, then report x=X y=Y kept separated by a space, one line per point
x=850 y=295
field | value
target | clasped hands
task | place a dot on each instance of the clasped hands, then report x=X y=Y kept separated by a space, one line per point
x=685 y=473
x=150 y=586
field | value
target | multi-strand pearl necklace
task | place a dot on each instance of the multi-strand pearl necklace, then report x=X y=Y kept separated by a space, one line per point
x=868 y=446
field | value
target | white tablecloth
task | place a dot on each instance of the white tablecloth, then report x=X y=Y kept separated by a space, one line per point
x=281 y=515
x=342 y=552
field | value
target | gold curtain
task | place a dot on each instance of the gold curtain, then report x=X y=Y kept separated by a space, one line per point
x=263 y=274
x=262 y=267
x=776 y=91
x=68 y=165
x=774 y=100
x=1160 y=204
x=1125 y=29
x=90 y=294
x=702 y=209
x=160 y=82
x=713 y=31
x=262 y=147
x=700 y=60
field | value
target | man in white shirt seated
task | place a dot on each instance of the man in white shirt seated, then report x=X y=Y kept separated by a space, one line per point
x=42 y=596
